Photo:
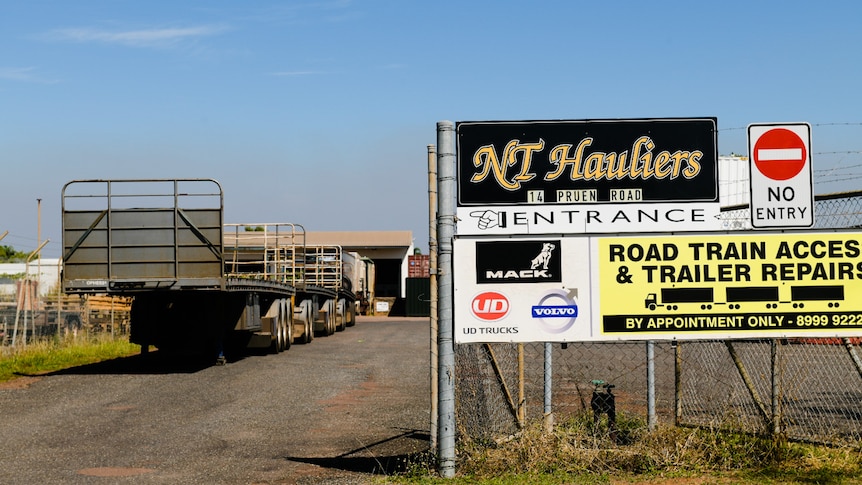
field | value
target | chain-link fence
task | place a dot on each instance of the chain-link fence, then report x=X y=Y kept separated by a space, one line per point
x=488 y=375
x=809 y=389
x=26 y=316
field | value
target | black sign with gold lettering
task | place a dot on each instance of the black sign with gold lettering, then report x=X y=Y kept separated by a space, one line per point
x=587 y=161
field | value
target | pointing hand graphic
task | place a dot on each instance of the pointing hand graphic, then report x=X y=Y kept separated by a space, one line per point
x=487 y=218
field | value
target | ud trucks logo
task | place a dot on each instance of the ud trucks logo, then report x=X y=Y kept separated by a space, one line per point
x=490 y=306
x=518 y=262
x=557 y=310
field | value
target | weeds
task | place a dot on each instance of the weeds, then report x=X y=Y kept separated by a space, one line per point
x=578 y=451
x=52 y=354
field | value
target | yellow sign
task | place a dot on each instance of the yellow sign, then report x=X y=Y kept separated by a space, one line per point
x=750 y=285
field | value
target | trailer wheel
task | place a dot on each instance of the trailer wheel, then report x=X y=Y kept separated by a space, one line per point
x=340 y=316
x=287 y=324
x=279 y=332
x=351 y=314
x=331 y=316
x=304 y=310
x=308 y=334
x=277 y=340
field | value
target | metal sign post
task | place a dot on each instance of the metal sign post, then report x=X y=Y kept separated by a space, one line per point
x=446 y=344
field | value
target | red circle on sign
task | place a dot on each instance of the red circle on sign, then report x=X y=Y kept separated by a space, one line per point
x=490 y=306
x=780 y=154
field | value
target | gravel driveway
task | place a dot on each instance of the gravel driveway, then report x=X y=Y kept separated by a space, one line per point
x=339 y=410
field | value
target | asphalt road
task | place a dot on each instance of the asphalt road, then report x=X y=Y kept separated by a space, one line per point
x=339 y=410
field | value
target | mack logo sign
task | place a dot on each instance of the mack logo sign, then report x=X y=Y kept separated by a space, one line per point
x=578 y=176
x=518 y=261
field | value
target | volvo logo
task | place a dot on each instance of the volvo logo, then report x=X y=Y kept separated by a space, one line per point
x=557 y=310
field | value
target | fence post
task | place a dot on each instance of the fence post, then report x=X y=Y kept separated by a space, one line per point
x=651 y=415
x=857 y=362
x=776 y=387
x=445 y=341
x=522 y=404
x=549 y=370
x=432 y=267
x=677 y=383
x=749 y=384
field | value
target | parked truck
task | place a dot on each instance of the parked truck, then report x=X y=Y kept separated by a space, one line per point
x=200 y=285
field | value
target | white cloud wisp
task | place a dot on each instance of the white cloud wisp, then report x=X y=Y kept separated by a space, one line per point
x=164 y=37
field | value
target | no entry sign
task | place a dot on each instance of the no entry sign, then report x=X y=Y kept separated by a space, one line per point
x=780 y=154
x=781 y=181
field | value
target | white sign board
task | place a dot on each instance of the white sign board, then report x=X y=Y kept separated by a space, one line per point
x=516 y=290
x=781 y=175
x=381 y=306
x=658 y=287
x=583 y=176
x=588 y=218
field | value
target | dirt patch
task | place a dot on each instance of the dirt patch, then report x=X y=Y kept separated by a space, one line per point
x=110 y=471
x=19 y=383
x=346 y=400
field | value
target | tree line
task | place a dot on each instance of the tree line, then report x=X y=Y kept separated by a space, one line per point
x=8 y=254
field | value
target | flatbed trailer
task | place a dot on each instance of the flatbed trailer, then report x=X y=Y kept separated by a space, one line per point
x=320 y=274
x=197 y=284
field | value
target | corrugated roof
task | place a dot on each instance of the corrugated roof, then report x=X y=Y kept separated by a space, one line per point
x=361 y=239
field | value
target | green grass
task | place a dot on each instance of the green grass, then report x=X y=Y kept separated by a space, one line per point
x=576 y=452
x=51 y=355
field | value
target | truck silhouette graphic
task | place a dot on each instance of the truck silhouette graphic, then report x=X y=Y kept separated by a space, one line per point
x=748 y=294
x=736 y=296
x=671 y=296
x=834 y=294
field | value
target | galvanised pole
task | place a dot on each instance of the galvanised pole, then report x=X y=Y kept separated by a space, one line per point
x=432 y=263
x=652 y=420
x=445 y=293
x=548 y=410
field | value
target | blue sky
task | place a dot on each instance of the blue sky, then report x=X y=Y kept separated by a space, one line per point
x=320 y=112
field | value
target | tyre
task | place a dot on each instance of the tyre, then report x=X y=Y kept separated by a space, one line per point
x=351 y=314
x=304 y=311
x=277 y=331
x=341 y=316
x=329 y=318
x=308 y=335
x=276 y=345
x=287 y=324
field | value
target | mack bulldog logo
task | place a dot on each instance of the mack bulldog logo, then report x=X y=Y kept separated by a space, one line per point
x=518 y=262
x=544 y=257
